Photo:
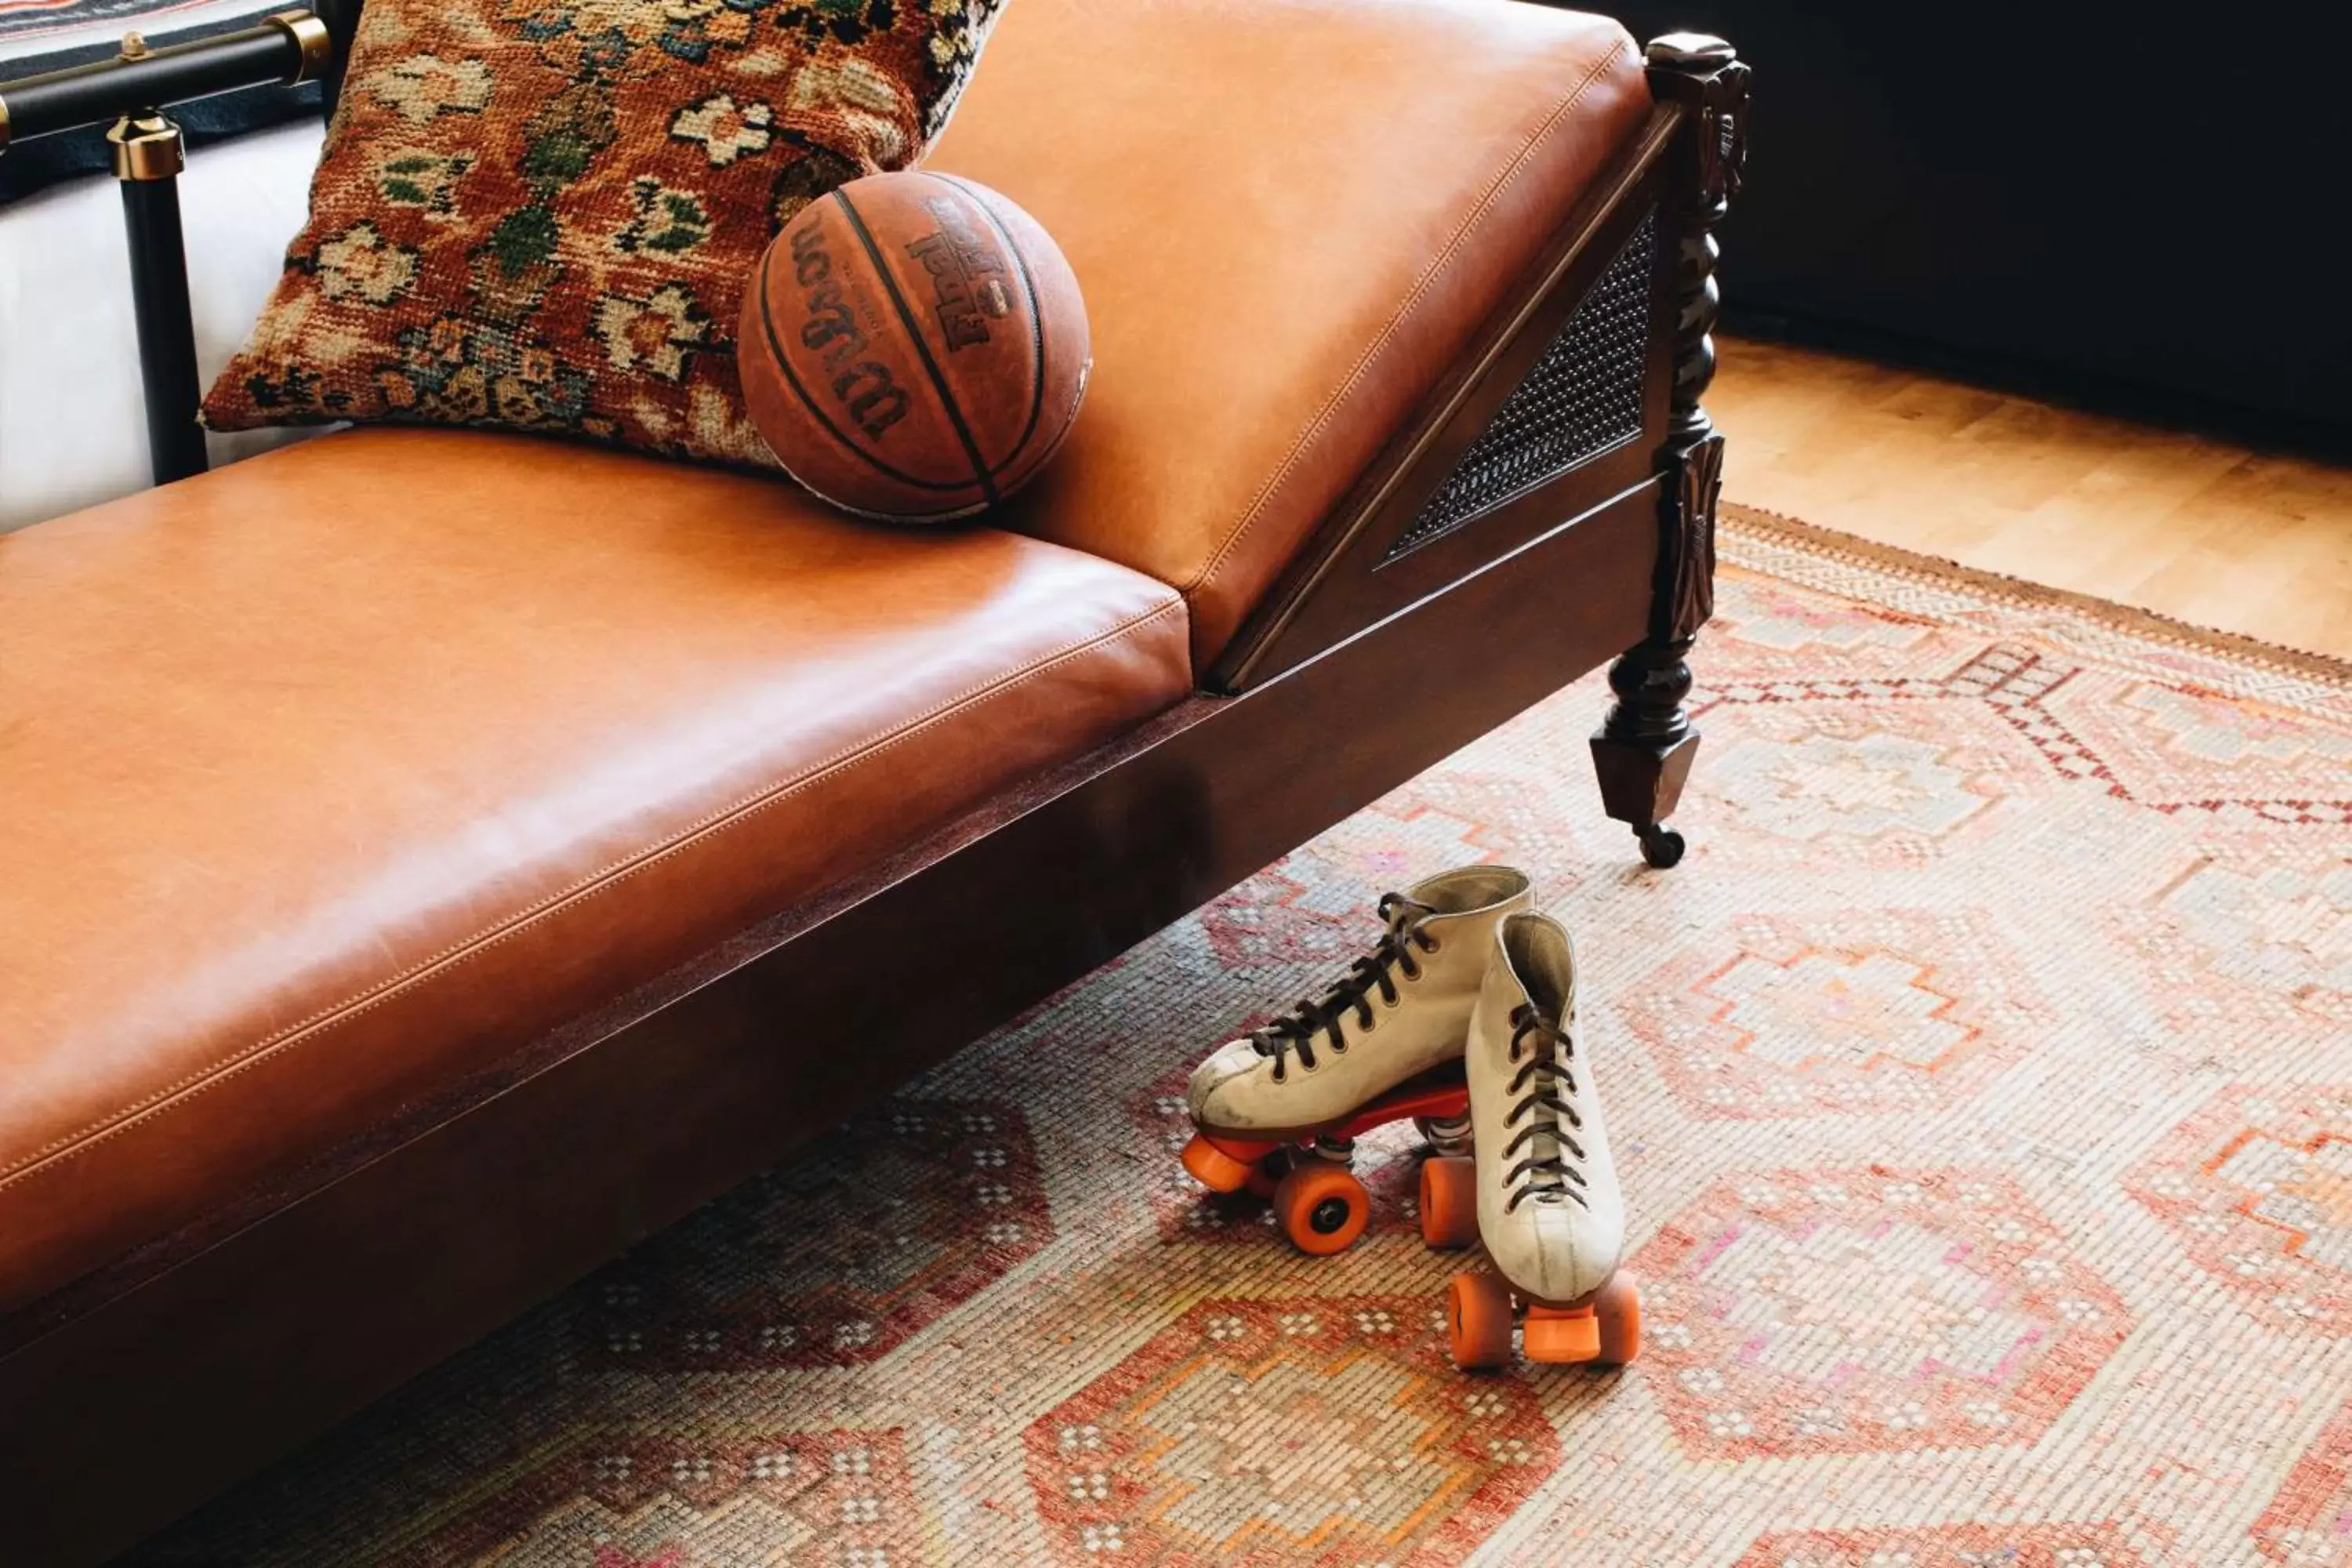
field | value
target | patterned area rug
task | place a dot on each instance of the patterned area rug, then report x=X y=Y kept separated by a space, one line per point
x=1983 y=1084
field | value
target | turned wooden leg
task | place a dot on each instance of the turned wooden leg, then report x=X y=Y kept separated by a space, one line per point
x=1643 y=750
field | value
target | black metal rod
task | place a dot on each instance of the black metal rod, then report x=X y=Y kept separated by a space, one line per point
x=95 y=94
x=167 y=337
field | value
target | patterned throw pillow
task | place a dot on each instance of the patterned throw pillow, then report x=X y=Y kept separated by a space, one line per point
x=540 y=214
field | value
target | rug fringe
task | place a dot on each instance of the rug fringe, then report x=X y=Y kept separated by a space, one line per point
x=2153 y=624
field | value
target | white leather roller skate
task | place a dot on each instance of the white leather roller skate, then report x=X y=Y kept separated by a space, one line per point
x=1539 y=1190
x=1277 y=1110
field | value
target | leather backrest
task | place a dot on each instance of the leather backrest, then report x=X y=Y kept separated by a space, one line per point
x=1287 y=217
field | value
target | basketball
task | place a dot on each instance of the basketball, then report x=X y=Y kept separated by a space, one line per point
x=914 y=347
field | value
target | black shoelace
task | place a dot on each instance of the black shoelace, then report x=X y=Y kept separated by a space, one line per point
x=1296 y=1030
x=1546 y=1075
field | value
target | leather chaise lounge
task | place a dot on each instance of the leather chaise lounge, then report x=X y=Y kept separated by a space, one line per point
x=428 y=857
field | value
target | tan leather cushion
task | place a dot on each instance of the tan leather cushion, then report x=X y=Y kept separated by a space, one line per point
x=327 y=777
x=1286 y=215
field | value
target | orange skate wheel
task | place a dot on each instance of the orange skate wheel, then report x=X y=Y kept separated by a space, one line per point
x=1214 y=1168
x=1321 y=1207
x=1449 y=1200
x=1563 y=1335
x=1619 y=1308
x=1478 y=1321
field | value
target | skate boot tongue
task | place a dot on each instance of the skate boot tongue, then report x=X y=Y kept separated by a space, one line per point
x=1544 y=1157
x=1467 y=888
x=1318 y=1023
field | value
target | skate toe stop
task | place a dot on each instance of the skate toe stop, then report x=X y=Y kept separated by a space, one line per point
x=1562 y=1337
x=1214 y=1168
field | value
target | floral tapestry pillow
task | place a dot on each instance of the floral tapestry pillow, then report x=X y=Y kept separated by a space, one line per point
x=541 y=214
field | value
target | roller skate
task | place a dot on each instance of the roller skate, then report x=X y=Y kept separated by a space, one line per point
x=1278 y=1110
x=1539 y=1190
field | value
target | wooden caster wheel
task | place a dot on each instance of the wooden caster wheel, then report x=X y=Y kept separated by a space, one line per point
x=1661 y=846
x=1321 y=1207
x=1449 y=1200
x=1478 y=1321
x=1619 y=1309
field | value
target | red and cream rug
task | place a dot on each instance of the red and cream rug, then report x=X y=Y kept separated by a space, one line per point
x=1983 y=1089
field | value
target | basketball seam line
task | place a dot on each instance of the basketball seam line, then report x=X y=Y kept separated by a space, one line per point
x=783 y=363
x=1421 y=286
x=1036 y=313
x=915 y=333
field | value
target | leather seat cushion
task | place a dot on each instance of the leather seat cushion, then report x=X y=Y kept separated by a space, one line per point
x=1287 y=217
x=330 y=778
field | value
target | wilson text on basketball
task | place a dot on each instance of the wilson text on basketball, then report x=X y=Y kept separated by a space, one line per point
x=865 y=389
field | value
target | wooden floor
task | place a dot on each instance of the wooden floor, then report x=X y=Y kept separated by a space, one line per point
x=2213 y=533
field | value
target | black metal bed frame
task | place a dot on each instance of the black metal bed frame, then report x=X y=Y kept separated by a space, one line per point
x=130 y=94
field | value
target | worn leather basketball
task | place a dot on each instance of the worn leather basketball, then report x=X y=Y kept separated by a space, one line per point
x=914 y=347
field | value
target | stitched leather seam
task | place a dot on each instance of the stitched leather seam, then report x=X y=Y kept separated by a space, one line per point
x=62 y=1150
x=1421 y=286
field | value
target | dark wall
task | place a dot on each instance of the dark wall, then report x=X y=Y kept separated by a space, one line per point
x=2134 y=204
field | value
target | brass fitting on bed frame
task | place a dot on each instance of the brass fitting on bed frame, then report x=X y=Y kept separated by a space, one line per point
x=311 y=37
x=3 y=125
x=147 y=147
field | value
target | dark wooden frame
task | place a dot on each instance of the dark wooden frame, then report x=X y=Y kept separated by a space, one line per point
x=227 y=1345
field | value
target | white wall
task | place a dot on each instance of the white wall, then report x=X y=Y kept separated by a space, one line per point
x=72 y=422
